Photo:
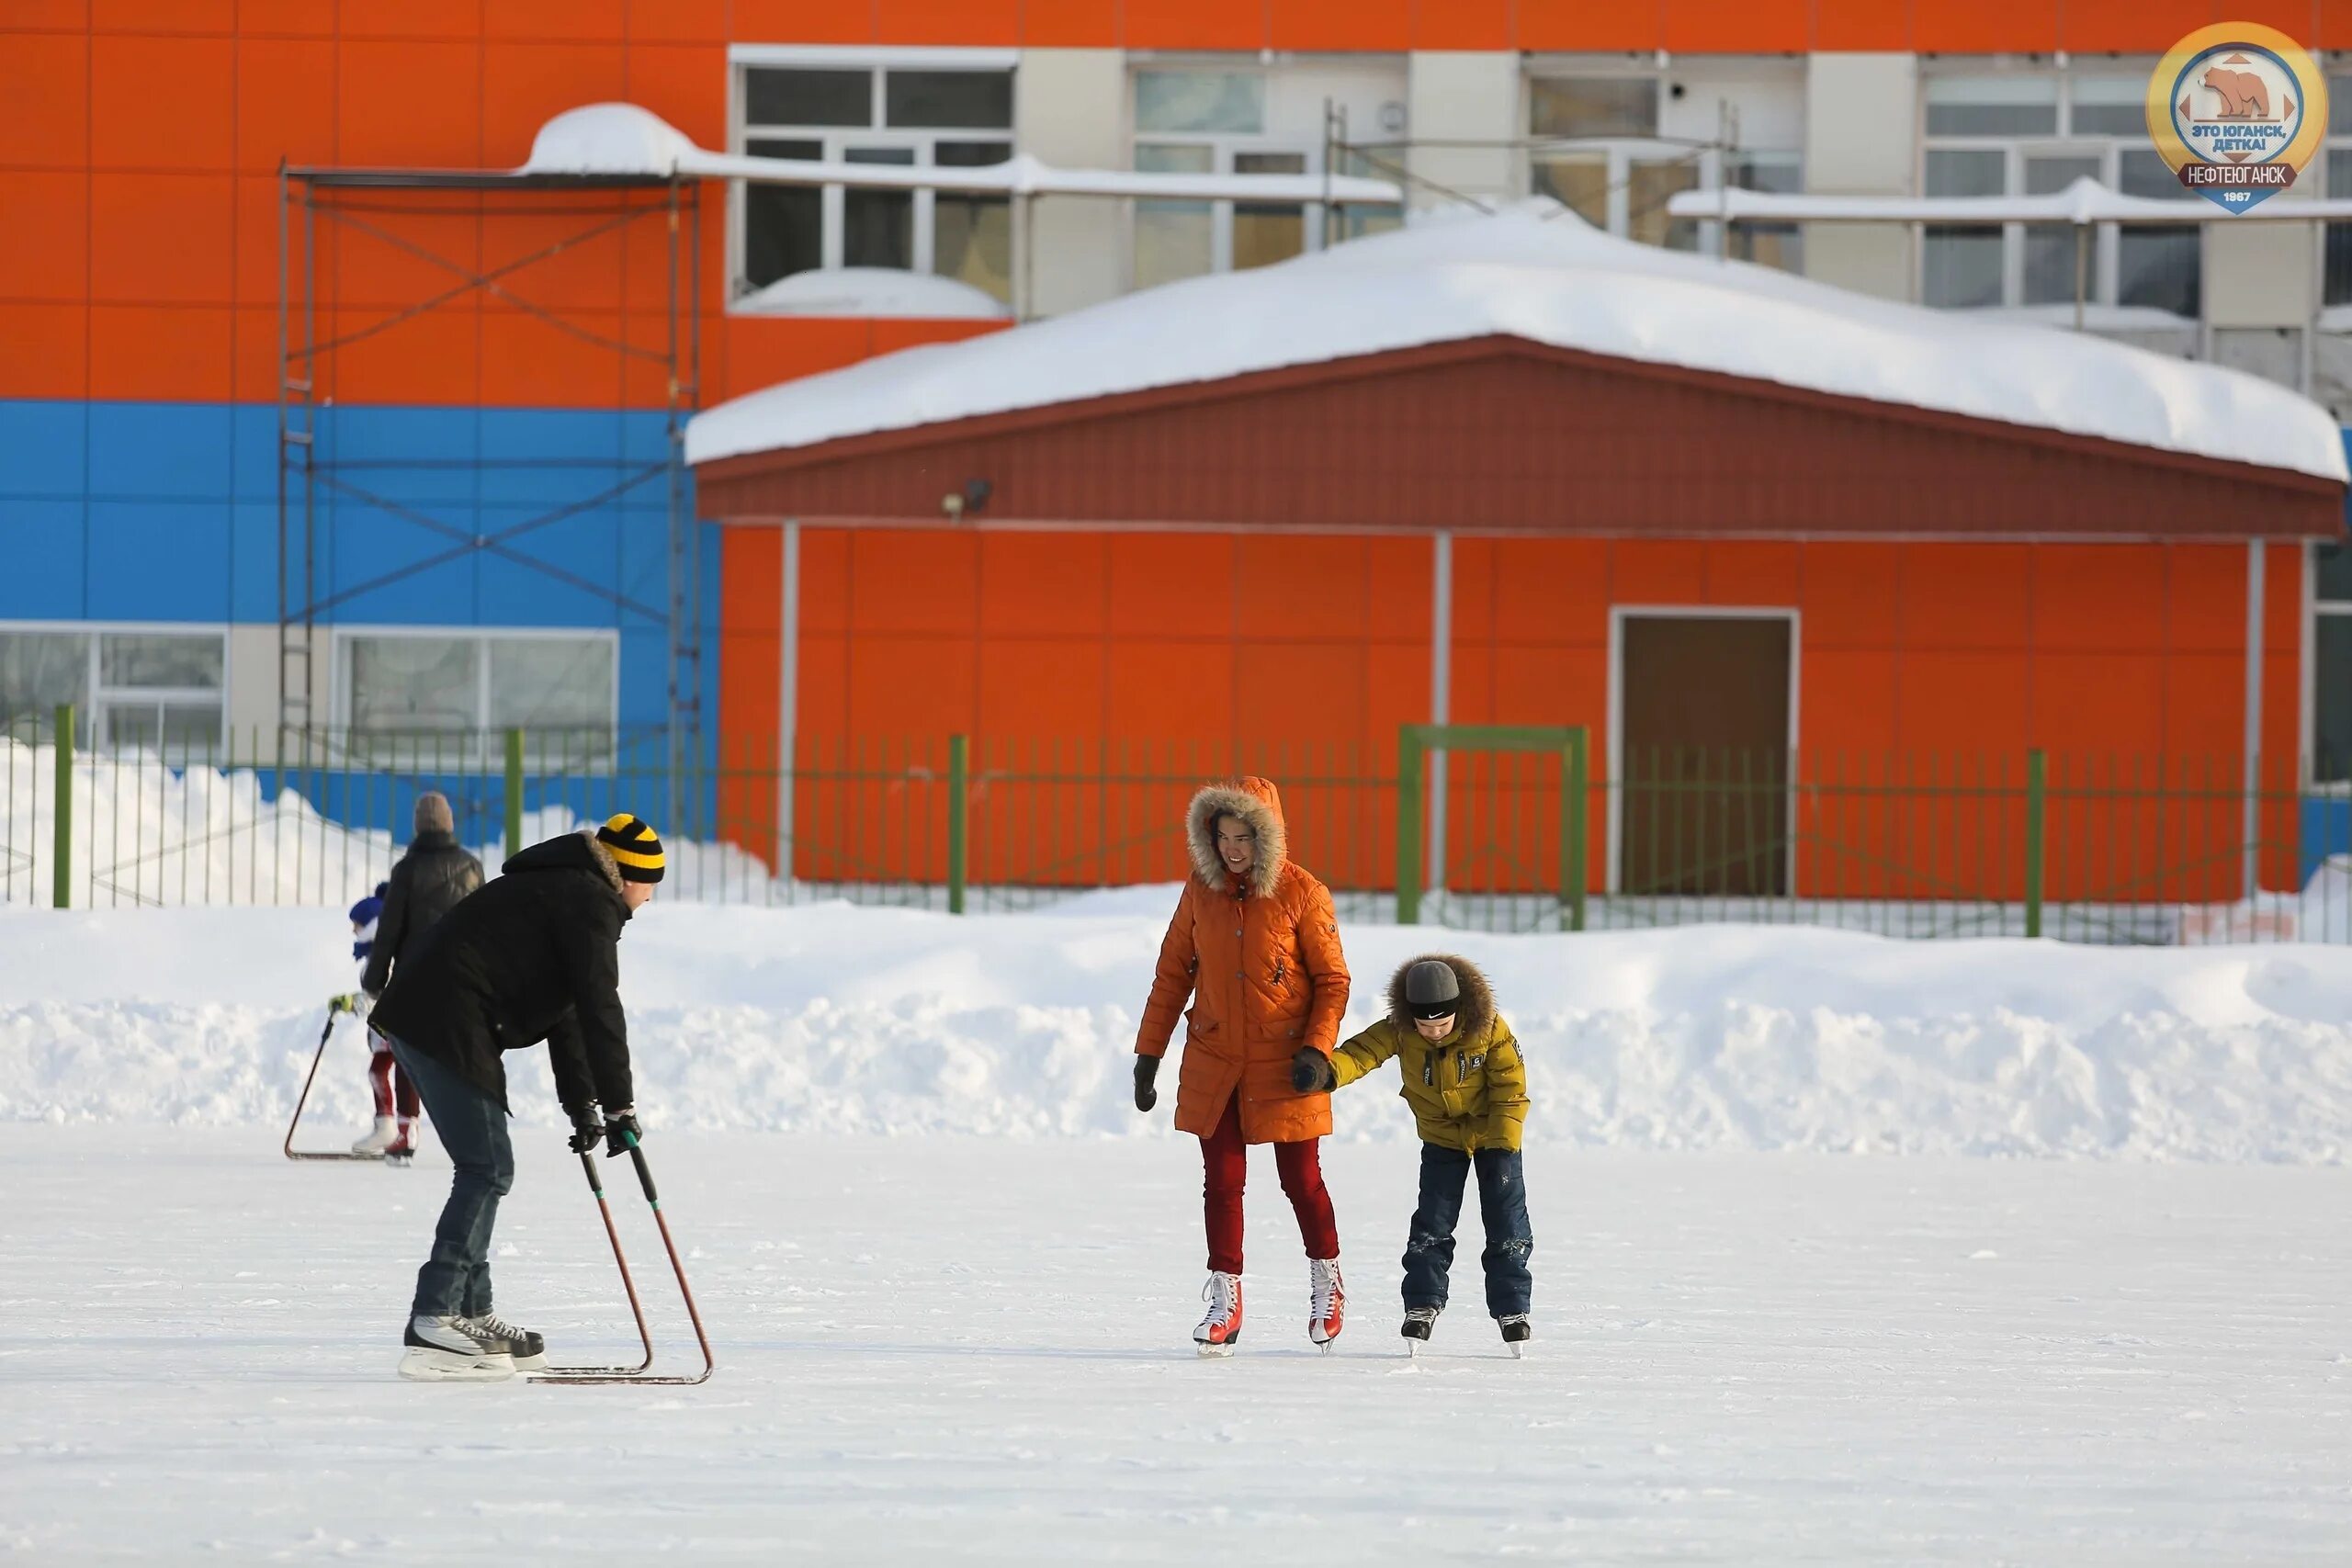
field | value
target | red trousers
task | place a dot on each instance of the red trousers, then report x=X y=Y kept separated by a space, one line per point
x=1225 y=1163
x=383 y=1075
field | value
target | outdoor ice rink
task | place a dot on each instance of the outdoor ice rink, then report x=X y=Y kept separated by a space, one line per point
x=972 y=1348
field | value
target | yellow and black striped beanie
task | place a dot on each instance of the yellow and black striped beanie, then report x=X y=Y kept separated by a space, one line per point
x=634 y=848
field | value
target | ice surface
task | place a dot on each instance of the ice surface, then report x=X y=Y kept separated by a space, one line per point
x=962 y=1350
x=1539 y=273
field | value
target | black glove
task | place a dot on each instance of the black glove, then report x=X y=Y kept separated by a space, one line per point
x=620 y=1132
x=1147 y=1069
x=1310 y=1071
x=587 y=1130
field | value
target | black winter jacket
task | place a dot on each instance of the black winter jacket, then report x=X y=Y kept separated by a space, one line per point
x=532 y=956
x=426 y=885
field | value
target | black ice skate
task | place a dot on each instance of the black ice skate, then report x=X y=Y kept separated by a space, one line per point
x=1517 y=1331
x=1418 y=1321
x=450 y=1349
x=530 y=1351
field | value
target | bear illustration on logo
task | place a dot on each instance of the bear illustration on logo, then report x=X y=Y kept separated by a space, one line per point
x=2245 y=96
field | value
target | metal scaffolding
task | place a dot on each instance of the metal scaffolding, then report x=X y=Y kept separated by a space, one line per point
x=606 y=204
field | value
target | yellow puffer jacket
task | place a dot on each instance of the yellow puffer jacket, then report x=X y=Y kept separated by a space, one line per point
x=1468 y=1090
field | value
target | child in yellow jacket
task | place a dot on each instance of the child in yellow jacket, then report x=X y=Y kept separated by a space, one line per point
x=1467 y=1086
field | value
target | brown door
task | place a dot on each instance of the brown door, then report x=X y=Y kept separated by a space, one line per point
x=1705 y=769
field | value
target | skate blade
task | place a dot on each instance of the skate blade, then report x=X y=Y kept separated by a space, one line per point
x=1518 y=1352
x=1212 y=1352
x=538 y=1363
x=419 y=1364
x=401 y=1161
x=1413 y=1348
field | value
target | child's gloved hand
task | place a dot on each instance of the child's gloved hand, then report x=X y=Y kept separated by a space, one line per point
x=1310 y=1072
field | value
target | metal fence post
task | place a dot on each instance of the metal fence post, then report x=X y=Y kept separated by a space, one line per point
x=2036 y=841
x=1409 y=750
x=1575 y=823
x=959 y=779
x=514 y=791
x=62 y=850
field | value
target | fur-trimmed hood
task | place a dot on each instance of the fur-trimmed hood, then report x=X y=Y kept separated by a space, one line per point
x=1477 y=1008
x=582 y=851
x=1256 y=802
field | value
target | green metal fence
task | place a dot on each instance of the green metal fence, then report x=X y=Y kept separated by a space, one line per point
x=1505 y=829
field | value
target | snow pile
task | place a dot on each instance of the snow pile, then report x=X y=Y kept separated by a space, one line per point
x=873 y=291
x=1540 y=273
x=834 y=1018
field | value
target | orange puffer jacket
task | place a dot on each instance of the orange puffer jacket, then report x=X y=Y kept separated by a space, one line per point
x=1263 y=964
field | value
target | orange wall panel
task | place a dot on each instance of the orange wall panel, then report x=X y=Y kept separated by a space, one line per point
x=1551 y=685
x=685 y=85
x=1964 y=703
x=824 y=581
x=760 y=352
x=1657 y=572
x=254 y=364
x=1165 y=585
x=285 y=103
x=822 y=706
x=679 y=21
x=533 y=20
x=914 y=581
x=579 y=275
x=46 y=254
x=379 y=86
x=435 y=358
x=164 y=352
x=2093 y=704
x=1069 y=24
x=967 y=23
x=255 y=277
x=44 y=351
x=1398 y=589
x=911 y=686
x=2204 y=706
x=1846 y=702
x=1965 y=596
x=2099 y=598
x=1547 y=591
x=1851 y=595
x=797 y=21
x=1294 y=693
x=1040 y=689
x=1287 y=589
x=751 y=579
x=1972 y=26
x=162 y=238
x=160 y=15
x=2207 y=599
x=44 y=101
x=1846 y=25
x=162 y=102
x=525 y=84
x=1739 y=26
x=1033 y=584
x=529 y=363
x=2334 y=25
x=452 y=19
x=1196 y=23
x=1757 y=573
x=296 y=17
x=1341 y=25
x=1170 y=691
x=2133 y=27
x=1579 y=25
x=1462 y=24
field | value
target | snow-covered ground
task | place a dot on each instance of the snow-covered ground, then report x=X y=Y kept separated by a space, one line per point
x=838 y=1019
x=965 y=1349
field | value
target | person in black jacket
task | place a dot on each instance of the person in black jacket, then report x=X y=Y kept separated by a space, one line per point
x=531 y=956
x=426 y=885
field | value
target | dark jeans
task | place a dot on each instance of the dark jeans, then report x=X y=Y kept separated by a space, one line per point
x=1502 y=1203
x=455 y=1281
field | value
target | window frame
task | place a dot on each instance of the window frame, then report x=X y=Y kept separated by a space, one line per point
x=2105 y=268
x=2316 y=609
x=1224 y=146
x=485 y=639
x=92 y=721
x=834 y=140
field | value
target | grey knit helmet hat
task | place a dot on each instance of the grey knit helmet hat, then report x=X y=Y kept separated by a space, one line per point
x=1431 y=988
x=433 y=813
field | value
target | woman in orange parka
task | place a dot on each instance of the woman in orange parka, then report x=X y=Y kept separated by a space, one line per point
x=1256 y=945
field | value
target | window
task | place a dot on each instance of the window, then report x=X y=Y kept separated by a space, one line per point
x=471 y=686
x=911 y=116
x=2337 y=281
x=2030 y=134
x=1215 y=122
x=1616 y=149
x=130 y=687
x=2330 y=719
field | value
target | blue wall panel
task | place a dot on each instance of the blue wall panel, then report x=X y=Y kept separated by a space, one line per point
x=45 y=545
x=158 y=560
x=43 y=449
x=162 y=451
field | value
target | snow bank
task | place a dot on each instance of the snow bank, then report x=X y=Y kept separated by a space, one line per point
x=834 y=1019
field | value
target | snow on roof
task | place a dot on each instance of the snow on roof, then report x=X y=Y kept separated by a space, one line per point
x=622 y=139
x=2084 y=201
x=873 y=291
x=1537 y=272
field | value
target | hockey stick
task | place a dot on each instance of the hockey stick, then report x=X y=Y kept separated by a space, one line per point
x=337 y=1007
x=653 y=1199
x=637 y=1309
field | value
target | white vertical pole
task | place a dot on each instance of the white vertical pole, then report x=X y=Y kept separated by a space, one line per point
x=1440 y=694
x=2254 y=560
x=788 y=698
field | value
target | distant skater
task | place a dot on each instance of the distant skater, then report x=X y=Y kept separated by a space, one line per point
x=431 y=877
x=1255 y=945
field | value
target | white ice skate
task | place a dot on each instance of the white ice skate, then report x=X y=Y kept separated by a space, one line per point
x=530 y=1351
x=381 y=1139
x=1326 y=1301
x=443 y=1350
x=1222 y=1327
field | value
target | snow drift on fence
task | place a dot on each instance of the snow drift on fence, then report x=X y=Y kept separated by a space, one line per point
x=829 y=1018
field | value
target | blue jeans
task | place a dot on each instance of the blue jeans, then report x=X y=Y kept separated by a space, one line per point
x=455 y=1281
x=1502 y=1203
